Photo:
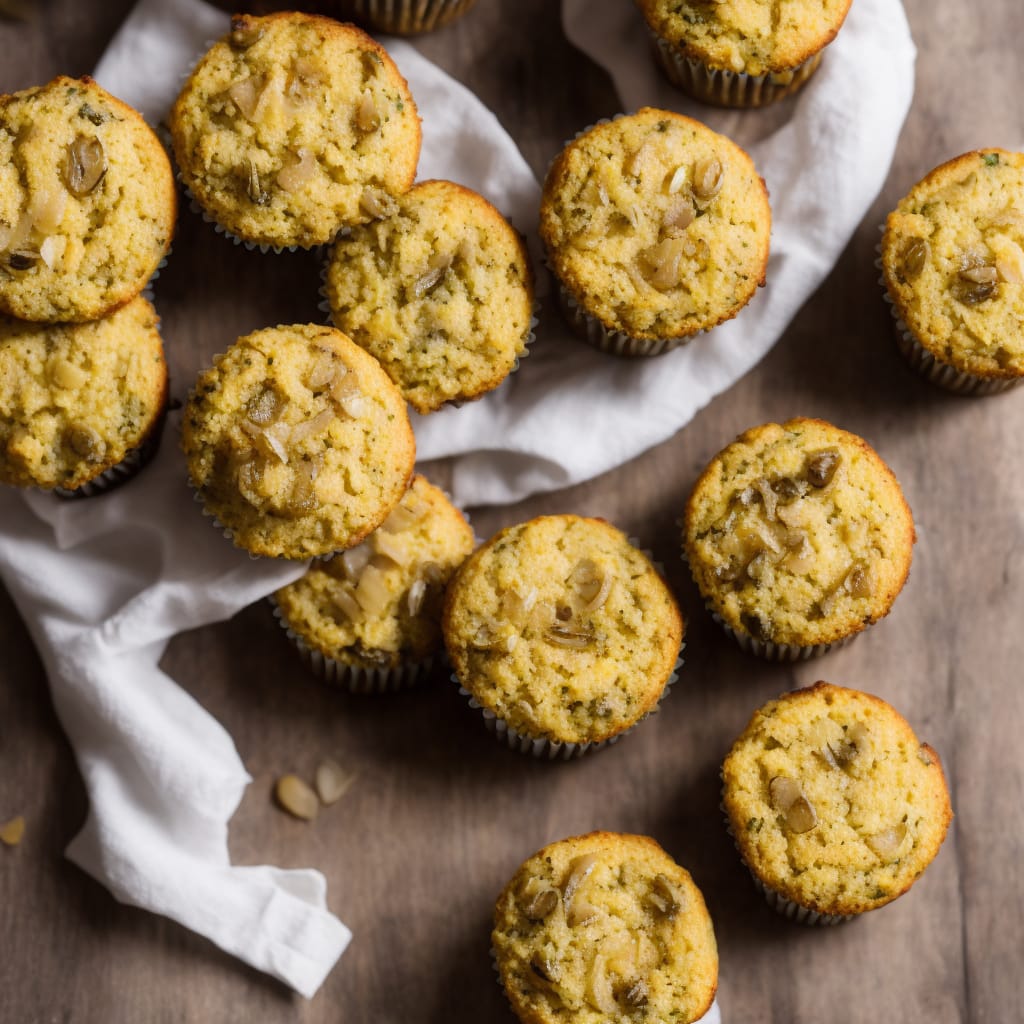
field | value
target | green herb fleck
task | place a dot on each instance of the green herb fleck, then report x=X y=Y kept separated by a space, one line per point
x=991 y=159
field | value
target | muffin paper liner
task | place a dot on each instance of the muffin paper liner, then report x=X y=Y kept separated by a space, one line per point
x=932 y=369
x=726 y=88
x=552 y=750
x=771 y=651
x=129 y=466
x=779 y=903
x=324 y=305
x=147 y=291
x=355 y=678
x=406 y=17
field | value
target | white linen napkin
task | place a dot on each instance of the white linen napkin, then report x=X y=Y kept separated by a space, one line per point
x=103 y=584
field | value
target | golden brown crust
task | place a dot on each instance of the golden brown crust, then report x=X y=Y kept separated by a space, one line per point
x=297 y=441
x=87 y=202
x=783 y=560
x=563 y=629
x=594 y=927
x=657 y=226
x=293 y=126
x=75 y=399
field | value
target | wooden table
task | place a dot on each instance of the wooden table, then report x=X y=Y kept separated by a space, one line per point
x=441 y=815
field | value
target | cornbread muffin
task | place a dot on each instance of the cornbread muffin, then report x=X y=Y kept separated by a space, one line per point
x=656 y=228
x=297 y=442
x=953 y=266
x=798 y=537
x=741 y=53
x=835 y=806
x=601 y=928
x=80 y=404
x=404 y=17
x=563 y=632
x=372 y=616
x=440 y=292
x=87 y=202
x=294 y=126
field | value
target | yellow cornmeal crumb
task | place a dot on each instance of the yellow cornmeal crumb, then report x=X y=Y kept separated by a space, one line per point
x=754 y=37
x=87 y=202
x=294 y=125
x=380 y=603
x=605 y=927
x=953 y=261
x=563 y=629
x=862 y=809
x=657 y=225
x=798 y=534
x=440 y=292
x=297 y=441
x=76 y=398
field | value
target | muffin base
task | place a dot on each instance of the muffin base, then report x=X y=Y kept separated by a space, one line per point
x=354 y=678
x=616 y=343
x=553 y=750
x=407 y=17
x=135 y=459
x=724 y=88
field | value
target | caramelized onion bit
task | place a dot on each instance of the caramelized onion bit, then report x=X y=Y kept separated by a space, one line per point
x=415 y=597
x=788 y=798
x=886 y=844
x=292 y=177
x=559 y=636
x=355 y=560
x=84 y=165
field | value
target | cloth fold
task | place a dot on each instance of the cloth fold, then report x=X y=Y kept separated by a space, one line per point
x=104 y=583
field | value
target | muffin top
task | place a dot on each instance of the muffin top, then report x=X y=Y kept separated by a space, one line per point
x=297 y=441
x=563 y=629
x=833 y=801
x=754 y=37
x=953 y=262
x=798 y=534
x=76 y=398
x=605 y=927
x=380 y=602
x=293 y=126
x=656 y=225
x=87 y=202
x=439 y=291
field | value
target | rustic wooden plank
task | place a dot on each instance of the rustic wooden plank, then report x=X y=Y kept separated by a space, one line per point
x=440 y=815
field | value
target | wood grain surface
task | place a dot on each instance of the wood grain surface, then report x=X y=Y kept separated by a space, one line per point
x=440 y=814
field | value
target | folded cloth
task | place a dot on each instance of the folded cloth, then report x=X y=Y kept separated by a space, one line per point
x=572 y=412
x=103 y=584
